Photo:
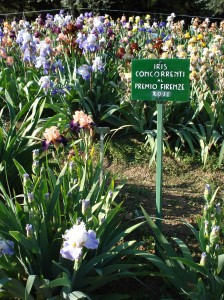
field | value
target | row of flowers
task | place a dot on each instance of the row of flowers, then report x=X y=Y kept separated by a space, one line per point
x=42 y=43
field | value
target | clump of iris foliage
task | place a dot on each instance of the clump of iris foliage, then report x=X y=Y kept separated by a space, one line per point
x=194 y=278
x=62 y=236
x=62 y=233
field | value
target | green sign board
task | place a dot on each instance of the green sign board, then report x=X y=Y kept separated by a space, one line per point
x=160 y=79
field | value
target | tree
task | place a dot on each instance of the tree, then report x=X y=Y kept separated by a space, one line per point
x=94 y=6
x=214 y=7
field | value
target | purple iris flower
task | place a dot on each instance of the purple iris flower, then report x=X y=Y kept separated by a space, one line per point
x=46 y=83
x=6 y=247
x=74 y=126
x=98 y=25
x=90 y=43
x=49 y=21
x=12 y=34
x=88 y=14
x=98 y=65
x=57 y=65
x=162 y=24
x=45 y=49
x=56 y=29
x=44 y=63
x=141 y=22
x=80 y=40
x=19 y=38
x=60 y=140
x=84 y=71
x=1 y=33
x=110 y=32
x=142 y=29
x=28 y=56
x=49 y=16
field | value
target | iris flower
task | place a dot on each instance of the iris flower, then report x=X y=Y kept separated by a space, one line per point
x=53 y=137
x=98 y=65
x=6 y=247
x=81 y=121
x=75 y=239
x=84 y=71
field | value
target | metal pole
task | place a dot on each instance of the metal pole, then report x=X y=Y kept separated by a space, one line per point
x=159 y=164
x=101 y=155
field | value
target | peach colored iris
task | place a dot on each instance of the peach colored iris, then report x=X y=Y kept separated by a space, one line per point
x=10 y=60
x=3 y=53
x=52 y=134
x=83 y=119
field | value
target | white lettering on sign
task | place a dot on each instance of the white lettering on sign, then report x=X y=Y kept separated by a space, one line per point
x=160 y=66
x=161 y=93
x=144 y=86
x=163 y=86
x=166 y=74
x=172 y=86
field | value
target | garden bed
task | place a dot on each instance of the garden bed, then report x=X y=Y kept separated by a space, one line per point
x=67 y=231
x=184 y=180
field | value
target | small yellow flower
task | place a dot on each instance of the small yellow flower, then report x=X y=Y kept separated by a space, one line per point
x=7 y=25
x=131 y=19
x=137 y=19
x=194 y=75
x=147 y=17
x=164 y=55
x=148 y=46
x=127 y=76
x=187 y=35
x=180 y=48
x=169 y=43
x=214 y=49
x=135 y=28
x=200 y=37
x=193 y=39
x=182 y=54
x=151 y=55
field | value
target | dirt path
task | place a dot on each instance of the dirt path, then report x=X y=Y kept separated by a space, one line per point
x=183 y=189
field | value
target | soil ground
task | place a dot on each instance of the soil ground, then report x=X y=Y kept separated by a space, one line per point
x=182 y=201
x=182 y=190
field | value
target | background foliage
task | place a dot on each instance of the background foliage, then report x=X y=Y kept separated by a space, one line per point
x=196 y=7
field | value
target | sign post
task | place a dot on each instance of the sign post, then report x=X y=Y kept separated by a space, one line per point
x=159 y=163
x=160 y=80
